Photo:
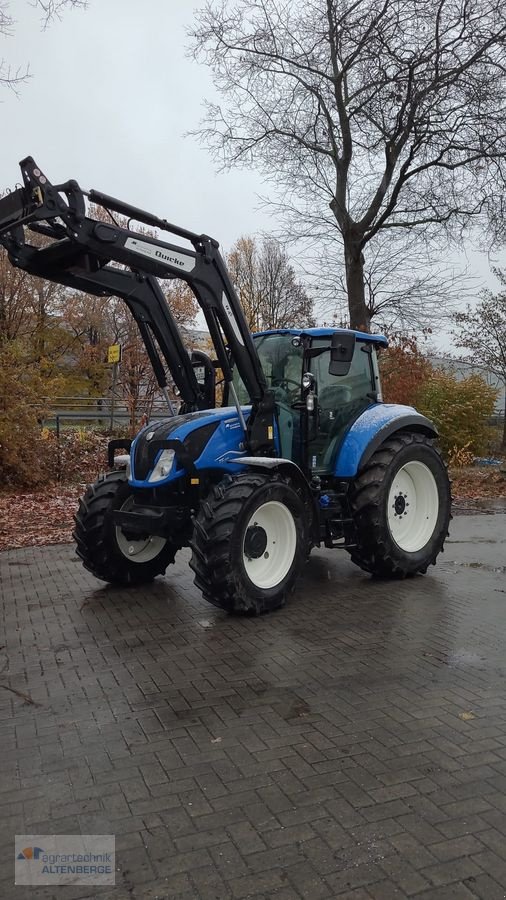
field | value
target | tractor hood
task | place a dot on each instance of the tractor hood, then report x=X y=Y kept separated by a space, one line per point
x=208 y=438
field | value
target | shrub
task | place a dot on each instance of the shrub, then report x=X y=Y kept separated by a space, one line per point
x=460 y=457
x=22 y=389
x=32 y=456
x=460 y=410
x=77 y=457
x=403 y=369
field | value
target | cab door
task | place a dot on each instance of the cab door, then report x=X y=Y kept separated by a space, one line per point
x=281 y=356
x=341 y=399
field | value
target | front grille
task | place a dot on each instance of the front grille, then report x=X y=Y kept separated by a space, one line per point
x=163 y=431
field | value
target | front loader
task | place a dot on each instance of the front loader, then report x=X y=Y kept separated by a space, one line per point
x=302 y=452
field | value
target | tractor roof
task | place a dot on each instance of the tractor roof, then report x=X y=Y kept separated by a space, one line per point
x=328 y=332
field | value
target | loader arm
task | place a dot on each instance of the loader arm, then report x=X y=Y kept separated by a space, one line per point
x=84 y=254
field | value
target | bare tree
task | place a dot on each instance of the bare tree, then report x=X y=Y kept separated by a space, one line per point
x=9 y=76
x=53 y=9
x=285 y=300
x=12 y=76
x=95 y=322
x=408 y=284
x=242 y=265
x=271 y=294
x=482 y=332
x=29 y=314
x=365 y=115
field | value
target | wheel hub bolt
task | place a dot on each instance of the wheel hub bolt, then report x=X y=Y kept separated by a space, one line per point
x=255 y=542
x=400 y=505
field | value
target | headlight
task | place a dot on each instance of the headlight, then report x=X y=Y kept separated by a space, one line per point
x=163 y=466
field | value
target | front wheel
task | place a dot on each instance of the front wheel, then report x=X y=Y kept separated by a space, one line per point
x=249 y=542
x=401 y=508
x=105 y=550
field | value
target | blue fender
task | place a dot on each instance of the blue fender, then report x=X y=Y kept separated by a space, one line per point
x=371 y=429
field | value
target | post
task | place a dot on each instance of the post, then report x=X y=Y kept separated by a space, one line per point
x=114 y=357
x=113 y=392
x=58 y=450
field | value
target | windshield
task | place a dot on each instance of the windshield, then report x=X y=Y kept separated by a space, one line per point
x=281 y=360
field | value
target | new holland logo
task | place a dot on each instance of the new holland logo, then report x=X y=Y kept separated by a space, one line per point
x=30 y=853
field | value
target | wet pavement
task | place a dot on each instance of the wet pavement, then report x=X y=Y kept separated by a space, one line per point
x=352 y=745
x=490 y=505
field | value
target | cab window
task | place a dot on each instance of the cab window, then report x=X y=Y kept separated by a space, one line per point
x=341 y=399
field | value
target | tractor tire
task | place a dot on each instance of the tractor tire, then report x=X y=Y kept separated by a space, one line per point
x=249 y=542
x=401 y=508
x=102 y=546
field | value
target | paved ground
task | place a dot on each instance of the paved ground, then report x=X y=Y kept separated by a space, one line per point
x=352 y=745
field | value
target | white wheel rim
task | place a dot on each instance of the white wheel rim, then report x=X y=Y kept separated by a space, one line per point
x=143 y=550
x=273 y=565
x=413 y=506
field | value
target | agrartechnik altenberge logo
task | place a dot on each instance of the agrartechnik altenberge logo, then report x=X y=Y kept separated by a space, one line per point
x=65 y=859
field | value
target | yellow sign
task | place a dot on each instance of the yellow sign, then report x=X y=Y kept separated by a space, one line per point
x=114 y=353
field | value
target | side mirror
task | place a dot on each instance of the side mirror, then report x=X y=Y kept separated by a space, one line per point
x=205 y=374
x=341 y=352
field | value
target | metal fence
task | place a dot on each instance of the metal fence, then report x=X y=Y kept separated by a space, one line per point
x=101 y=411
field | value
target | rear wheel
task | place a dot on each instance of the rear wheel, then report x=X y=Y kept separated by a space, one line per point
x=249 y=543
x=104 y=548
x=401 y=507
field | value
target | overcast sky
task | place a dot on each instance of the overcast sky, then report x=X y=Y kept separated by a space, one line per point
x=111 y=96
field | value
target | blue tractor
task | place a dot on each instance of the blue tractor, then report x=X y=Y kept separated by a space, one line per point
x=301 y=452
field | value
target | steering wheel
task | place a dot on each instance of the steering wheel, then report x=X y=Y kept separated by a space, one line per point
x=283 y=390
x=282 y=384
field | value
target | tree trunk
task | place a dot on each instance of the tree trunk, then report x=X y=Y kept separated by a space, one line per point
x=504 y=423
x=354 y=262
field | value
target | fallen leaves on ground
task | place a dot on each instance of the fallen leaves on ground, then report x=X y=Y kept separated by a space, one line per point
x=41 y=517
x=38 y=517
x=478 y=483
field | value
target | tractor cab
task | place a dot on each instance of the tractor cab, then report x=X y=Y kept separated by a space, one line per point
x=322 y=379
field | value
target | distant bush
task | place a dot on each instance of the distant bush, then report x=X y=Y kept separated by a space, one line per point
x=31 y=456
x=403 y=369
x=22 y=458
x=76 y=457
x=461 y=410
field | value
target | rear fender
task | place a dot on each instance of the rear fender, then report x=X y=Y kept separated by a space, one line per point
x=371 y=429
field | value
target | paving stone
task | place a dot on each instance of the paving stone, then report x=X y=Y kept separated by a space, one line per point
x=315 y=753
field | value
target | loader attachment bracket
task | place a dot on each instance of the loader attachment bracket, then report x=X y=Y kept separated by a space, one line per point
x=119 y=444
